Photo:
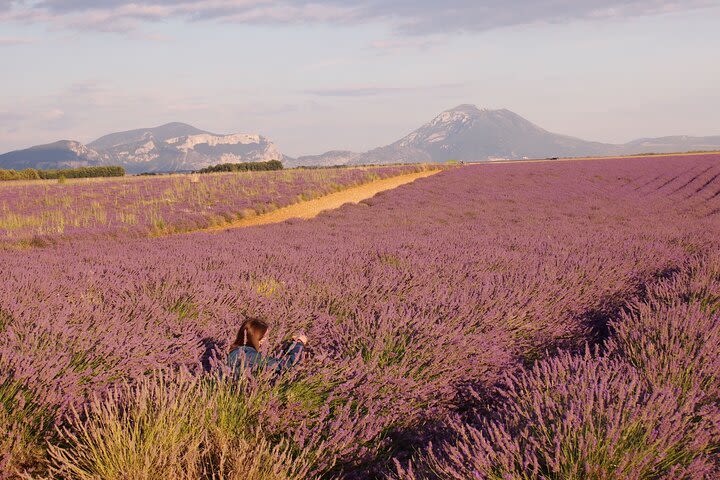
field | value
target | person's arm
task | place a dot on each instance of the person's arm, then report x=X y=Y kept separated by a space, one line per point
x=293 y=354
x=272 y=363
x=290 y=358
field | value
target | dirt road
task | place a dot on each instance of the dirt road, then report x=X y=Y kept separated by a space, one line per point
x=311 y=208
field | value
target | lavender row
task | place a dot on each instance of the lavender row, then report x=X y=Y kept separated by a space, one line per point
x=645 y=405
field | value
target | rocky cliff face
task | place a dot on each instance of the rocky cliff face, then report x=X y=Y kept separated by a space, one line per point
x=179 y=147
x=168 y=148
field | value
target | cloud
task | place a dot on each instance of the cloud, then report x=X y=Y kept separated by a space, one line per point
x=369 y=91
x=428 y=16
x=19 y=126
x=12 y=41
x=84 y=88
x=52 y=114
x=399 y=44
x=408 y=17
x=8 y=119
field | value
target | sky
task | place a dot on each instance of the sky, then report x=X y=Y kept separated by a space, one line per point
x=321 y=75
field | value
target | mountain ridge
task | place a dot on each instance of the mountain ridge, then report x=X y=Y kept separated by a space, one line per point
x=469 y=133
x=464 y=133
x=166 y=148
x=161 y=132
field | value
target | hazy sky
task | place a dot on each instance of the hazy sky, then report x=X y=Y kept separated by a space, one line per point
x=336 y=74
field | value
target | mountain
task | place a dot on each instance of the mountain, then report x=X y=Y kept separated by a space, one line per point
x=470 y=134
x=464 y=133
x=161 y=133
x=61 y=154
x=327 y=159
x=177 y=147
x=672 y=144
x=167 y=148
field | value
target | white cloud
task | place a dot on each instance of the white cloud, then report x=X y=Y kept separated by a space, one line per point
x=399 y=44
x=410 y=17
x=53 y=114
x=12 y=41
x=374 y=90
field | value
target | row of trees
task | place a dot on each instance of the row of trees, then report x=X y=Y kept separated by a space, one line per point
x=81 y=172
x=243 y=167
x=28 y=174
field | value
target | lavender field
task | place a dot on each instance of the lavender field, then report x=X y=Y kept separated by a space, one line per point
x=509 y=321
x=33 y=213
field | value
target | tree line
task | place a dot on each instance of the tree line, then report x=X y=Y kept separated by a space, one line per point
x=243 y=167
x=81 y=172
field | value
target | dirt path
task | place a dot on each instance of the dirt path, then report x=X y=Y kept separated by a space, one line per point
x=311 y=208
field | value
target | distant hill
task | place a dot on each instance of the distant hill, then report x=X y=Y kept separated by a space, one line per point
x=465 y=133
x=672 y=144
x=167 y=148
x=61 y=154
x=327 y=159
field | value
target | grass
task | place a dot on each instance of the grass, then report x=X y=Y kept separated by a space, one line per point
x=185 y=308
x=26 y=426
x=180 y=427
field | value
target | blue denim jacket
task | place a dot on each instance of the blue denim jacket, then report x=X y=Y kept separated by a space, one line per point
x=252 y=359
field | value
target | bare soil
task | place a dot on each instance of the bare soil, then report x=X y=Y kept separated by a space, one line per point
x=311 y=208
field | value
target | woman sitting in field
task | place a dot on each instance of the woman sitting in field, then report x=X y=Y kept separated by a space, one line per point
x=245 y=350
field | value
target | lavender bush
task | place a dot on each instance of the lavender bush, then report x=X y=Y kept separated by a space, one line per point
x=455 y=310
x=579 y=417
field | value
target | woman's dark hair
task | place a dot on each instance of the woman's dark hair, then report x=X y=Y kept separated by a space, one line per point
x=250 y=334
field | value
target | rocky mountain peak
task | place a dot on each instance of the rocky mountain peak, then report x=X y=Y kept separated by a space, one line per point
x=464 y=132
